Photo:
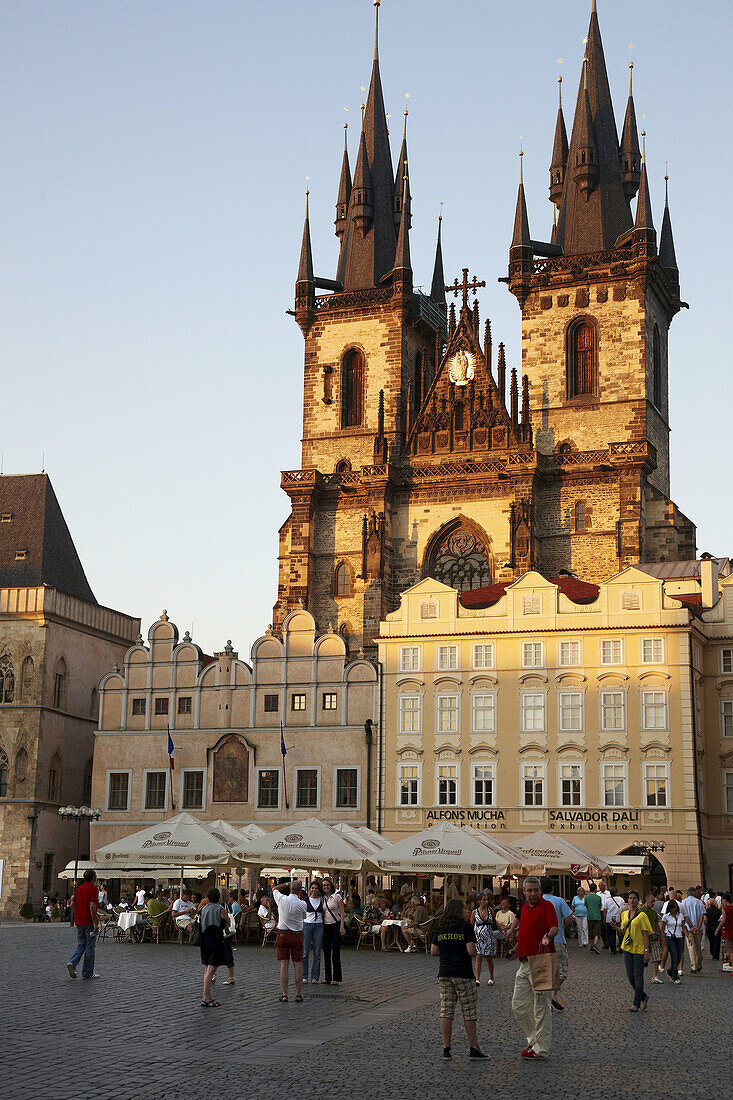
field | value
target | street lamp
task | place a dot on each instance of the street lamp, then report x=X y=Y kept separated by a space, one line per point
x=81 y=813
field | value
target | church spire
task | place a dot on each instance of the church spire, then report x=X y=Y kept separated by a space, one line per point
x=342 y=202
x=559 y=152
x=400 y=174
x=437 y=288
x=594 y=210
x=368 y=254
x=305 y=286
x=667 y=257
x=305 y=267
x=645 y=234
x=402 y=263
x=521 y=238
x=630 y=152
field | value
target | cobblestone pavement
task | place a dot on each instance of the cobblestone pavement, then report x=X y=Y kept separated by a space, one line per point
x=139 y=1030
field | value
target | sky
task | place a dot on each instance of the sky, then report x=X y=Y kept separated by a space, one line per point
x=153 y=163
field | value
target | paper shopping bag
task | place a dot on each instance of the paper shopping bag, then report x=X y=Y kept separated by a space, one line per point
x=544 y=972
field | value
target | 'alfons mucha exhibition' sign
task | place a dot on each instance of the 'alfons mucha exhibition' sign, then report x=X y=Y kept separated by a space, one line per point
x=590 y=820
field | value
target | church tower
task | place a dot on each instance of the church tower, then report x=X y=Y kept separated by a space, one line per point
x=597 y=302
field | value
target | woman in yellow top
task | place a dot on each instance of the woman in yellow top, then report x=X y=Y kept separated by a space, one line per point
x=635 y=933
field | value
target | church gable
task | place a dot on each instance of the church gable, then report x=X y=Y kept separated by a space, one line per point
x=464 y=410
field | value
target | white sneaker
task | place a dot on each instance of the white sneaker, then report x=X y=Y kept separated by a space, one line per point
x=490 y=981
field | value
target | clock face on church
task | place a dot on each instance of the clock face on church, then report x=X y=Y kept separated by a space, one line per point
x=462 y=367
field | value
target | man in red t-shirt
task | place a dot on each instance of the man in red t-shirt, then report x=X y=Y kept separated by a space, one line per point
x=84 y=907
x=725 y=925
x=533 y=1010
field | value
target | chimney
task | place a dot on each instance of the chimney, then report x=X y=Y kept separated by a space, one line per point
x=709 y=580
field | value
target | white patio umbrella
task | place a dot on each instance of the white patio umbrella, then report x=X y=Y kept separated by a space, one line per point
x=515 y=859
x=307 y=844
x=362 y=836
x=442 y=849
x=556 y=853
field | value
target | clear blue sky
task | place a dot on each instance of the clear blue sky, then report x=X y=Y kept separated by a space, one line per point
x=153 y=157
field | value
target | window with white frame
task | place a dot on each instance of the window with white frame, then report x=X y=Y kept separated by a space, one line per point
x=533 y=711
x=571 y=784
x=483 y=656
x=654 y=710
x=118 y=790
x=652 y=651
x=410 y=658
x=193 y=790
x=656 y=779
x=483 y=712
x=726 y=717
x=613 y=710
x=447 y=713
x=726 y=659
x=728 y=792
x=306 y=788
x=347 y=788
x=533 y=784
x=483 y=784
x=571 y=710
x=409 y=785
x=611 y=651
x=447 y=784
x=447 y=657
x=614 y=784
x=569 y=653
x=409 y=713
x=268 y=788
x=533 y=655
x=155 y=790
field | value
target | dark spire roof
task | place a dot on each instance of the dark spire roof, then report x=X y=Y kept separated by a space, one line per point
x=630 y=151
x=667 y=257
x=437 y=288
x=38 y=529
x=521 y=237
x=305 y=267
x=644 y=219
x=342 y=202
x=402 y=252
x=594 y=220
x=559 y=152
x=367 y=254
x=399 y=178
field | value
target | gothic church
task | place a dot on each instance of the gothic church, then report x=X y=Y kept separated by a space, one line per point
x=416 y=461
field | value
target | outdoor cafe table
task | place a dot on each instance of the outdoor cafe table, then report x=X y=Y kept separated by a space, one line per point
x=392 y=938
x=129 y=919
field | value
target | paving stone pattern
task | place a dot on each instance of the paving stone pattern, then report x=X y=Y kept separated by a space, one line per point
x=139 y=1030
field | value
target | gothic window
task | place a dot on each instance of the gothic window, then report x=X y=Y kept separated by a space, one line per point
x=657 y=369
x=54 y=779
x=3 y=775
x=59 y=684
x=352 y=389
x=581 y=360
x=343 y=466
x=458 y=416
x=342 y=580
x=21 y=765
x=7 y=680
x=417 y=389
x=26 y=678
x=460 y=559
x=345 y=632
x=580 y=516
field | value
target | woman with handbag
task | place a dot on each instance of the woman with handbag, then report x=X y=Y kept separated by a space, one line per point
x=313 y=932
x=674 y=922
x=655 y=940
x=486 y=932
x=635 y=933
x=213 y=921
x=333 y=931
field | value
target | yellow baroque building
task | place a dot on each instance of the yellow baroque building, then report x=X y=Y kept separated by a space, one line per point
x=604 y=712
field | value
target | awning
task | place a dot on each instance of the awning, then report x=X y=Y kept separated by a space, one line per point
x=627 y=865
x=132 y=871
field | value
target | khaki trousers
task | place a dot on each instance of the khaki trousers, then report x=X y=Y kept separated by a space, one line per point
x=532 y=1011
x=694 y=949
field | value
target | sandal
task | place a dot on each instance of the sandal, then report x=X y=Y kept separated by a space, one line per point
x=211 y=1004
x=283 y=997
x=298 y=997
x=229 y=981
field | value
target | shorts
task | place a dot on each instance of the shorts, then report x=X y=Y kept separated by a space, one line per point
x=561 y=950
x=655 y=949
x=462 y=990
x=595 y=928
x=289 y=945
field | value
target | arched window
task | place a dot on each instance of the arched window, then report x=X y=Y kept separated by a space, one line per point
x=54 y=779
x=352 y=389
x=581 y=360
x=460 y=559
x=3 y=775
x=657 y=369
x=94 y=704
x=7 y=680
x=21 y=765
x=342 y=580
x=59 y=684
x=345 y=632
x=417 y=387
x=26 y=679
x=343 y=466
x=580 y=516
x=458 y=416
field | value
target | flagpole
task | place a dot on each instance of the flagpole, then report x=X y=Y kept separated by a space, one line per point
x=170 y=767
x=283 y=750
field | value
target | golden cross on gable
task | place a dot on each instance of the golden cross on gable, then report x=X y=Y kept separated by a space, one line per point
x=464 y=286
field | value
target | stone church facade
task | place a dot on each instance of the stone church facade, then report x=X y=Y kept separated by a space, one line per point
x=424 y=453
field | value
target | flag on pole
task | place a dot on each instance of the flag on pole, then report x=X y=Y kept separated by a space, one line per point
x=170 y=748
x=283 y=750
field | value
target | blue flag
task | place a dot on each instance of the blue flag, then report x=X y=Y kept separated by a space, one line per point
x=283 y=750
x=170 y=748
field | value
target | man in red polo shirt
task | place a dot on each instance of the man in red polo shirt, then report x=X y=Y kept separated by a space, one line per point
x=532 y=1010
x=84 y=903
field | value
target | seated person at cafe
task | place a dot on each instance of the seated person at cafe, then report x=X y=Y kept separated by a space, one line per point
x=416 y=913
x=156 y=908
x=265 y=912
x=183 y=905
x=506 y=921
x=372 y=911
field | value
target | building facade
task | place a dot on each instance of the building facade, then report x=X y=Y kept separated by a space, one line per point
x=424 y=453
x=56 y=642
x=602 y=712
x=226 y=718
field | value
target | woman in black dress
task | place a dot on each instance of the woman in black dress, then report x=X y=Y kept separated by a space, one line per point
x=213 y=922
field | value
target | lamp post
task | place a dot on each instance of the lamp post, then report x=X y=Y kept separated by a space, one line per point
x=80 y=813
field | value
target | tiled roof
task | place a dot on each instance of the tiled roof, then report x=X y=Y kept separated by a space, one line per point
x=578 y=591
x=35 y=544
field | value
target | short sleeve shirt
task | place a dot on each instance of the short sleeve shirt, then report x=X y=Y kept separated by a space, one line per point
x=727 y=921
x=579 y=907
x=291 y=912
x=534 y=923
x=455 y=961
x=632 y=939
x=83 y=896
x=593 y=905
x=563 y=910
